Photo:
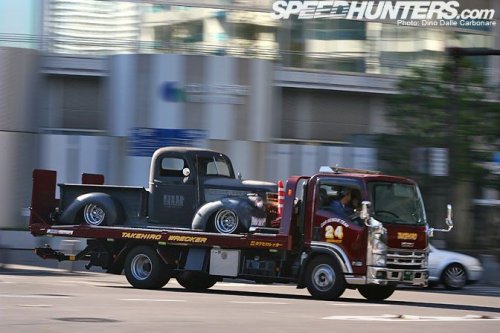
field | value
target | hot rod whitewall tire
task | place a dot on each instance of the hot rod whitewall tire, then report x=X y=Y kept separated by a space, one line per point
x=376 y=293
x=144 y=268
x=324 y=278
x=196 y=281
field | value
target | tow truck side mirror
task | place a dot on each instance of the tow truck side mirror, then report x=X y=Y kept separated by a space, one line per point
x=449 y=215
x=364 y=214
x=448 y=221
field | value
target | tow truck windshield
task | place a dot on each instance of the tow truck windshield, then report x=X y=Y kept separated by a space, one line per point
x=397 y=203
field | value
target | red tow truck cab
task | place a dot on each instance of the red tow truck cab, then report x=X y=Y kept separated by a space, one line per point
x=378 y=241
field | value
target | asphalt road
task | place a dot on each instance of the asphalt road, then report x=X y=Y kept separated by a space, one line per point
x=44 y=300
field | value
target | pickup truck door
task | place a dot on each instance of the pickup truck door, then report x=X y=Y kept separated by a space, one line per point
x=173 y=194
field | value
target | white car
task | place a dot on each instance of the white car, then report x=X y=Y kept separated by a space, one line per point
x=452 y=269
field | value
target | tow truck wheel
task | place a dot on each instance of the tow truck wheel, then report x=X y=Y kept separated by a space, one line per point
x=376 y=293
x=226 y=222
x=144 y=268
x=324 y=278
x=196 y=281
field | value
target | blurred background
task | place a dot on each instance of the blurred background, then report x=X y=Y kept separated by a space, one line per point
x=96 y=86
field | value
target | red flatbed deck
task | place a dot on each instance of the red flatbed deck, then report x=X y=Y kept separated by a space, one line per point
x=167 y=236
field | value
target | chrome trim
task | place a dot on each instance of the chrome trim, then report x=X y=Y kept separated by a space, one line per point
x=396 y=276
x=357 y=280
x=402 y=258
x=338 y=252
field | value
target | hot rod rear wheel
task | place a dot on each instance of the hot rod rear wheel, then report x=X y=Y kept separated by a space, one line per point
x=196 y=281
x=324 y=278
x=376 y=293
x=94 y=214
x=226 y=222
x=144 y=268
x=101 y=209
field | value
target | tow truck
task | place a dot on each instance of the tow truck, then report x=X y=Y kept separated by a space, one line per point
x=382 y=244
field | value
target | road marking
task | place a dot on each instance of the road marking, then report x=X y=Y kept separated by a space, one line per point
x=357 y=304
x=408 y=318
x=243 y=302
x=34 y=305
x=32 y=296
x=151 y=300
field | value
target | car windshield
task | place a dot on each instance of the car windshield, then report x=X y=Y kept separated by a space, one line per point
x=397 y=203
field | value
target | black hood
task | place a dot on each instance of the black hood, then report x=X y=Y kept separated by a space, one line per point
x=217 y=188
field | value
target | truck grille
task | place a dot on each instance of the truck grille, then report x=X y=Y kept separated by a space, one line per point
x=405 y=259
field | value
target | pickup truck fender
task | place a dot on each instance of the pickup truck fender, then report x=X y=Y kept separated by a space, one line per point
x=73 y=213
x=244 y=207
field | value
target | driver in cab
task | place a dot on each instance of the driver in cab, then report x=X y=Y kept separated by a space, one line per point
x=342 y=207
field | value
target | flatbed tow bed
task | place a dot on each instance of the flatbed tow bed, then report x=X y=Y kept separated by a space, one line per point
x=108 y=246
x=167 y=236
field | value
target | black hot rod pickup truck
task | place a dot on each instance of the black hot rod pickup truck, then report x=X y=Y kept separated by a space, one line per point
x=188 y=188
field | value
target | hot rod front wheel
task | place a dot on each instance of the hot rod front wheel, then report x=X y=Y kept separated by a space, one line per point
x=226 y=222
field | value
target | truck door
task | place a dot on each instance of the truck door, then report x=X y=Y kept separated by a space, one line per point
x=173 y=192
x=336 y=216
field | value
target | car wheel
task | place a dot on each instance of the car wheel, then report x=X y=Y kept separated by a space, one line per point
x=454 y=276
x=226 y=222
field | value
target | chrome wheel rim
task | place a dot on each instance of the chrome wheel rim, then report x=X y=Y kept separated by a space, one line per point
x=323 y=277
x=141 y=267
x=455 y=276
x=226 y=221
x=93 y=214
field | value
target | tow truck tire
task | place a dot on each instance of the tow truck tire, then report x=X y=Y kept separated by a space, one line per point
x=196 y=281
x=324 y=278
x=144 y=268
x=376 y=293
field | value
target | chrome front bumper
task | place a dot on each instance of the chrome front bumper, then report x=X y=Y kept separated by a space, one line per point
x=384 y=276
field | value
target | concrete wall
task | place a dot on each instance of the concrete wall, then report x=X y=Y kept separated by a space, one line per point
x=18 y=121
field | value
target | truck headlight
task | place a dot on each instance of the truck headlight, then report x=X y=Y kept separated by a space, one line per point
x=379 y=260
x=379 y=246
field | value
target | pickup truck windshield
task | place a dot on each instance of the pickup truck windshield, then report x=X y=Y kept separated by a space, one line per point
x=397 y=203
x=215 y=166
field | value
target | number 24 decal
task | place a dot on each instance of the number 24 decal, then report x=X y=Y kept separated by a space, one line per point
x=331 y=232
